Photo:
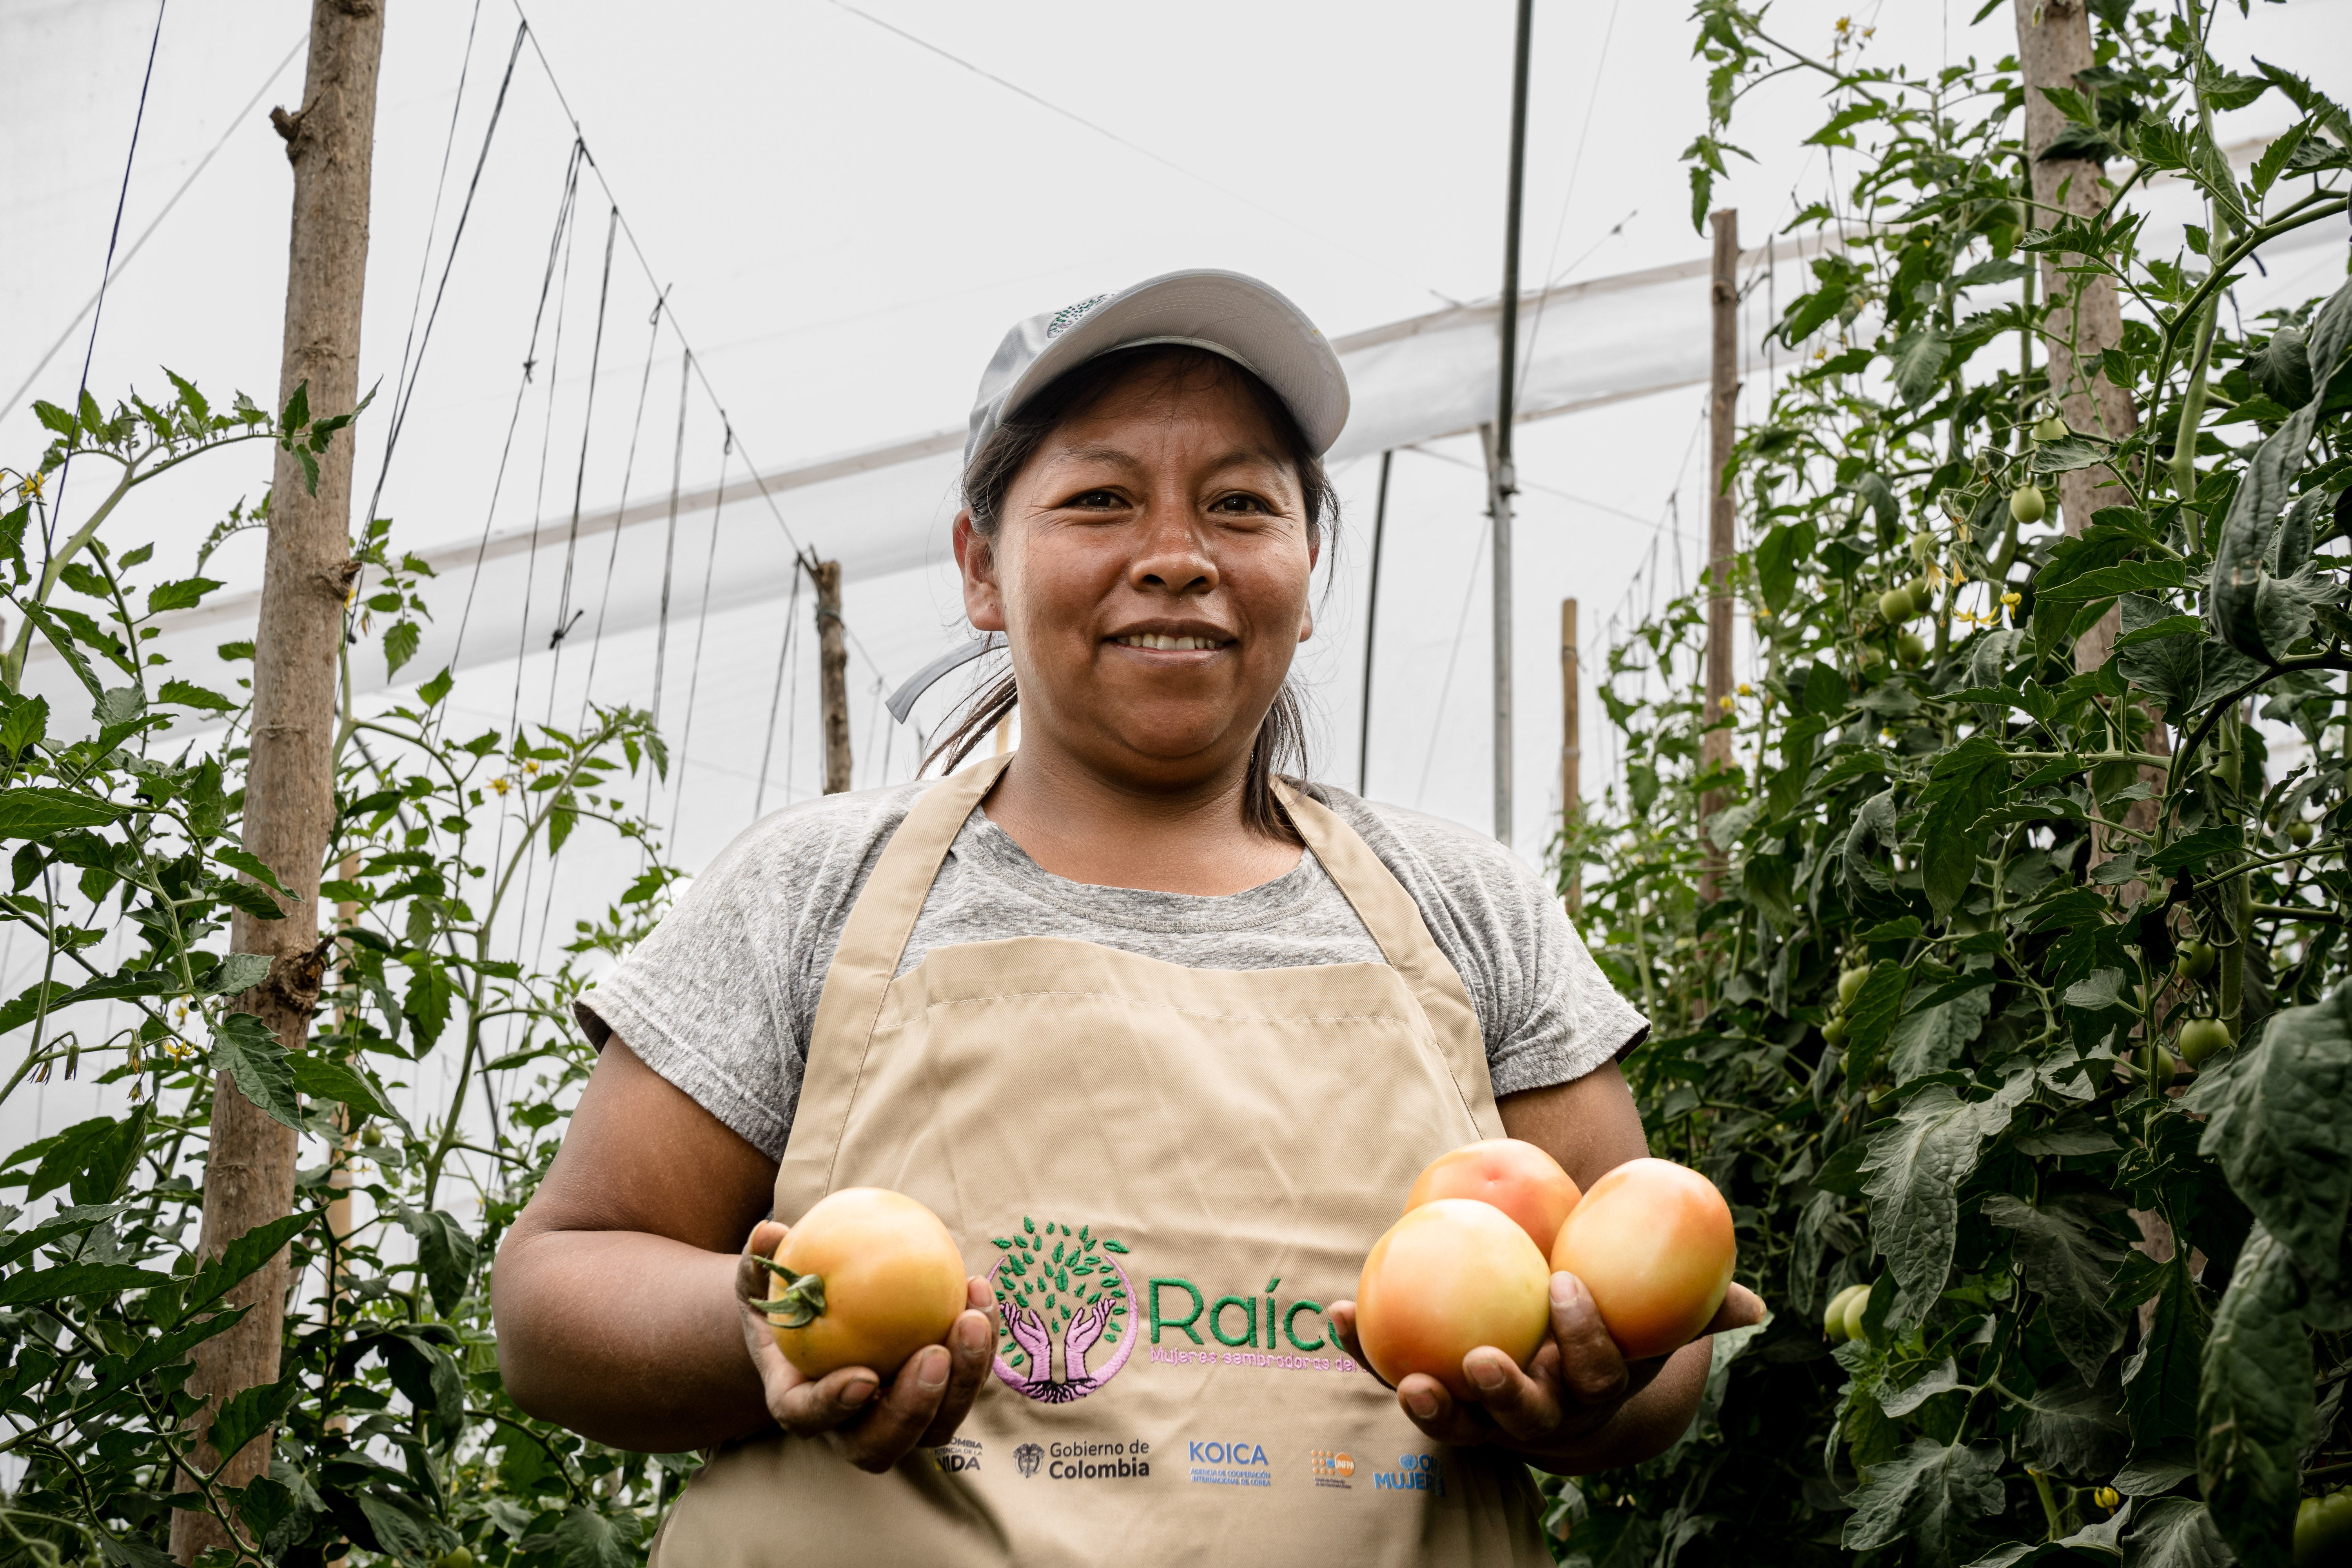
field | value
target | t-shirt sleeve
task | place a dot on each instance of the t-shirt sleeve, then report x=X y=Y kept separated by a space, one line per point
x=1548 y=1014
x=704 y=1000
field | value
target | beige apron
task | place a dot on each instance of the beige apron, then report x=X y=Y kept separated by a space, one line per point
x=1166 y=1174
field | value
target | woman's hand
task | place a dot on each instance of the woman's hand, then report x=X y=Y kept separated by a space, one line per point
x=922 y=1406
x=1561 y=1407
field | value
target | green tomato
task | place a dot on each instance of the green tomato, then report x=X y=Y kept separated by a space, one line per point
x=2194 y=961
x=2050 y=427
x=455 y=1557
x=2027 y=504
x=1870 y=657
x=1834 y=1315
x=1911 y=649
x=2298 y=833
x=372 y=1136
x=2323 y=1531
x=1850 y=982
x=1895 y=606
x=1854 y=1310
x=1835 y=1031
x=2202 y=1039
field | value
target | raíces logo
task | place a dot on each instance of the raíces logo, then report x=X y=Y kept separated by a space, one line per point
x=1063 y=1296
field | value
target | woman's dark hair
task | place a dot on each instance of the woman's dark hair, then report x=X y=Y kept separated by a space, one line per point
x=1281 y=738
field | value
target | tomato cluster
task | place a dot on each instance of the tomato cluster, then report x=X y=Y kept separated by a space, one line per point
x=1469 y=1263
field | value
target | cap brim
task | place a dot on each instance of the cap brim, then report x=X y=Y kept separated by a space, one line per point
x=1224 y=313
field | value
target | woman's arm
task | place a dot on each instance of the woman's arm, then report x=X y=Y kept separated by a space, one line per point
x=1578 y=1405
x=619 y=1294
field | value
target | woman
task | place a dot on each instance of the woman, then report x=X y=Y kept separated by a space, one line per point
x=1130 y=992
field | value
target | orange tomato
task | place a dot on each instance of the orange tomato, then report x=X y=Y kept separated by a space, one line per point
x=1653 y=1242
x=891 y=1283
x=1451 y=1275
x=1511 y=1174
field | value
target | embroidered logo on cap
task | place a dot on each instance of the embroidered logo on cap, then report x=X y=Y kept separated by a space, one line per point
x=1062 y=1296
x=1069 y=313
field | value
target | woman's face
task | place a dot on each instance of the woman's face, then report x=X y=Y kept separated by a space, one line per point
x=1151 y=572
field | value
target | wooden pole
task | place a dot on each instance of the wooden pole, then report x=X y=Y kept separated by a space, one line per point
x=1571 y=747
x=289 y=778
x=1372 y=623
x=1502 y=477
x=1716 y=750
x=832 y=668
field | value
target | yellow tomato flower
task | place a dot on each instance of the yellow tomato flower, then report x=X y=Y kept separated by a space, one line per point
x=498 y=786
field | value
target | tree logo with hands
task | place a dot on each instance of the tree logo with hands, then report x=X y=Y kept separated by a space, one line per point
x=1063 y=1298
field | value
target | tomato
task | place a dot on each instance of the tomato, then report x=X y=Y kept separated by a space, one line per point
x=1911 y=648
x=1835 y=1031
x=1855 y=1307
x=1652 y=1241
x=2202 y=1039
x=2298 y=834
x=1449 y=1276
x=2194 y=961
x=1511 y=1174
x=2323 y=1531
x=1897 y=605
x=455 y=1557
x=2050 y=427
x=2027 y=504
x=1834 y=1315
x=1849 y=983
x=887 y=1281
x=372 y=1136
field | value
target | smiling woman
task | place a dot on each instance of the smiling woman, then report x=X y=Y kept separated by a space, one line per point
x=1141 y=1013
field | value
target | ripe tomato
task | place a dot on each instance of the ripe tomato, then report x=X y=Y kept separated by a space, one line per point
x=1511 y=1174
x=1451 y=1275
x=1652 y=1241
x=888 y=1281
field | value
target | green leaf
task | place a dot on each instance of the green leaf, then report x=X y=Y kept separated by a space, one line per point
x=249 y=896
x=1872 y=1014
x=297 y=410
x=2068 y=1261
x=252 y=866
x=245 y=1048
x=434 y=690
x=426 y=1004
x=2066 y=454
x=2281 y=1125
x=36 y=811
x=2255 y=1407
x=28 y=1287
x=443 y=1252
x=1777 y=558
x=1919 y=356
x=238 y=1261
x=1967 y=782
x=26 y=724
x=1924 y=1494
x=235 y=974
x=2129 y=577
x=2160 y=1377
x=321 y=1078
x=400 y=640
x=1931 y=1036
x=2073 y=1429
x=184 y=595
x=188 y=694
x=1916 y=1168
x=586 y=1539
x=2174 y=1532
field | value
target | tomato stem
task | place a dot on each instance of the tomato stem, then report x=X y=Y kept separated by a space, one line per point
x=800 y=1303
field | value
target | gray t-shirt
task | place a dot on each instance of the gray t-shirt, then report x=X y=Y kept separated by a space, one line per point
x=719 y=999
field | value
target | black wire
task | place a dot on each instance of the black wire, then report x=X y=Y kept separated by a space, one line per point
x=56 y=509
x=406 y=382
x=565 y=614
x=701 y=625
x=628 y=468
x=768 y=749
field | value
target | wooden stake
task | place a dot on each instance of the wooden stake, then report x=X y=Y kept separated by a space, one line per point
x=832 y=668
x=1571 y=747
x=1716 y=750
x=289 y=779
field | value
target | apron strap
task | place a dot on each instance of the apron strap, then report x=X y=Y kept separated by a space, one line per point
x=871 y=941
x=1395 y=921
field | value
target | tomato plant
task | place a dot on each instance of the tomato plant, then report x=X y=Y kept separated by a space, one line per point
x=1974 y=896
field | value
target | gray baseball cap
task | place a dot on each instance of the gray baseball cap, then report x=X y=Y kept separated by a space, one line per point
x=1224 y=313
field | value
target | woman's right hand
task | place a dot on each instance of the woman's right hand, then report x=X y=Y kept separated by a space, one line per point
x=923 y=1405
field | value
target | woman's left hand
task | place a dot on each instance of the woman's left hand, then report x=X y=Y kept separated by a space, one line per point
x=1559 y=1404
